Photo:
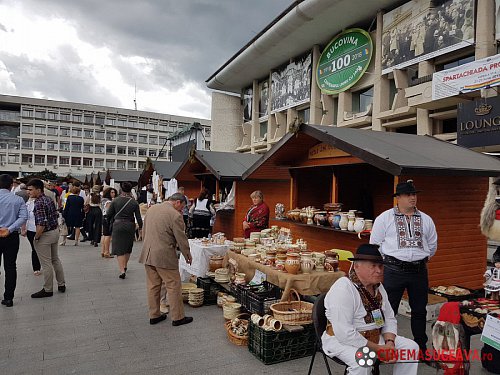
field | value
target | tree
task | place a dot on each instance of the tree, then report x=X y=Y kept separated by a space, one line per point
x=43 y=175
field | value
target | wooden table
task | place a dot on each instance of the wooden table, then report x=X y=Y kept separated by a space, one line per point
x=305 y=284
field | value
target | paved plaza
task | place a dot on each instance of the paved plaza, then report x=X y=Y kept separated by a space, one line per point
x=100 y=326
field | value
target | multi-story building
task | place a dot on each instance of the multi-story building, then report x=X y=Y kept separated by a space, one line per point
x=307 y=65
x=79 y=138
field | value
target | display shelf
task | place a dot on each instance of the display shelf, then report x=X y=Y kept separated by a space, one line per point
x=320 y=227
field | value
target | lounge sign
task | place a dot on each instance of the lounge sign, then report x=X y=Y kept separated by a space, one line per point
x=344 y=61
x=479 y=123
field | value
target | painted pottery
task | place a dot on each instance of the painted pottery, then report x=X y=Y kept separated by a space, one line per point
x=306 y=262
x=359 y=224
x=368 y=224
x=292 y=263
x=331 y=261
x=344 y=221
x=215 y=262
x=350 y=223
x=279 y=210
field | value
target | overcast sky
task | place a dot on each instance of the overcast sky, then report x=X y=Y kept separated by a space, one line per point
x=95 y=51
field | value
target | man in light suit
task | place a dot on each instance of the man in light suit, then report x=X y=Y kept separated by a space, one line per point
x=163 y=232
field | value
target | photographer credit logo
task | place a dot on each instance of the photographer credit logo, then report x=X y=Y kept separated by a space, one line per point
x=365 y=357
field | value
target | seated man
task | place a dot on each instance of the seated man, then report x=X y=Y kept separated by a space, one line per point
x=360 y=315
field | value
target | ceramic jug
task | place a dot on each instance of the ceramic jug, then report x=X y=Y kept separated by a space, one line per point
x=359 y=224
x=343 y=221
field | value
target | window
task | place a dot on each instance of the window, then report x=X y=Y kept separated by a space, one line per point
x=13 y=159
x=122 y=150
x=99 y=163
x=110 y=150
x=109 y=121
x=335 y=110
x=64 y=160
x=52 y=145
x=99 y=135
x=143 y=138
x=361 y=100
x=122 y=137
x=27 y=129
x=27 y=113
x=152 y=152
x=207 y=145
x=65 y=116
x=27 y=143
x=412 y=129
x=208 y=131
x=13 y=145
x=450 y=125
x=64 y=146
x=110 y=136
x=99 y=120
x=88 y=119
x=99 y=149
x=52 y=116
x=132 y=164
x=121 y=164
x=88 y=134
x=52 y=160
x=110 y=163
x=87 y=162
x=76 y=147
x=132 y=122
x=40 y=129
x=88 y=148
x=40 y=114
x=142 y=164
x=458 y=62
x=65 y=132
x=40 y=159
x=121 y=122
x=142 y=152
x=163 y=154
x=52 y=130
x=132 y=138
x=76 y=161
x=163 y=140
x=76 y=132
x=39 y=144
x=153 y=140
x=304 y=115
x=132 y=151
x=392 y=91
x=263 y=129
x=27 y=158
x=77 y=117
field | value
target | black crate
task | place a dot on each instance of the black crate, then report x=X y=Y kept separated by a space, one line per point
x=273 y=347
x=210 y=290
x=238 y=291
x=259 y=298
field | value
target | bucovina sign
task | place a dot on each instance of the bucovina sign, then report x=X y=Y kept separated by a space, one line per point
x=344 y=61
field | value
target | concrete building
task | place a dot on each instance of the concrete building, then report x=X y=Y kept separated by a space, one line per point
x=292 y=71
x=80 y=138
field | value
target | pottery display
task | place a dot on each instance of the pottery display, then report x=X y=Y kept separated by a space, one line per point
x=336 y=220
x=239 y=278
x=280 y=262
x=321 y=218
x=306 y=262
x=344 y=221
x=368 y=224
x=350 y=222
x=292 y=263
x=279 y=211
x=331 y=261
x=359 y=224
x=215 y=262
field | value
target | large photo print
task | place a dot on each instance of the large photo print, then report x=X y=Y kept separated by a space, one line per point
x=422 y=29
x=291 y=86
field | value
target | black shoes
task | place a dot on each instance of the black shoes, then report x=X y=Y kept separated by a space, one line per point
x=7 y=302
x=61 y=288
x=185 y=320
x=70 y=237
x=42 y=294
x=122 y=275
x=161 y=318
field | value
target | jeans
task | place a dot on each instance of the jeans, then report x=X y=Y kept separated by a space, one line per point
x=9 y=247
x=417 y=286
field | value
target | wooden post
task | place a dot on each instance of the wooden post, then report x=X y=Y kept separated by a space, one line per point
x=335 y=189
x=292 y=182
x=396 y=182
x=217 y=193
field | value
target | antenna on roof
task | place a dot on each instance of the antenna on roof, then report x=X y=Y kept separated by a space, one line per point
x=135 y=96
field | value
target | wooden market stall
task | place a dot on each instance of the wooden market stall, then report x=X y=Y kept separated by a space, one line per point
x=360 y=168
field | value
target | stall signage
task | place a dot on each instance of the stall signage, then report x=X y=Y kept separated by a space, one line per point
x=478 y=123
x=324 y=150
x=491 y=332
x=344 y=61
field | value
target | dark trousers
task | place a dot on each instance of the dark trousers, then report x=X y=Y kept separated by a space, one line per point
x=94 y=224
x=9 y=247
x=35 y=262
x=417 y=286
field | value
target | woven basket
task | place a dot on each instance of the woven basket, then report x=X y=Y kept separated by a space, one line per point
x=233 y=337
x=231 y=310
x=293 y=312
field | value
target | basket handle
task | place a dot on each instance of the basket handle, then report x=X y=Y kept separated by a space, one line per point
x=296 y=295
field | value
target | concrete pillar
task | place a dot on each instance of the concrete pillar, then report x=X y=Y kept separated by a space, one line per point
x=424 y=122
x=227 y=117
x=381 y=83
x=345 y=105
x=315 y=107
x=485 y=35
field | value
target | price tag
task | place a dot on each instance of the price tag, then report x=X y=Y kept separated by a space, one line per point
x=491 y=332
x=258 y=278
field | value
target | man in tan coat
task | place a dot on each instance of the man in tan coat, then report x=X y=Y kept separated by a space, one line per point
x=163 y=232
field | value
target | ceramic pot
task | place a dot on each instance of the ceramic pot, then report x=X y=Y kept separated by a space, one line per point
x=239 y=278
x=336 y=220
x=350 y=223
x=292 y=263
x=368 y=224
x=306 y=262
x=215 y=262
x=344 y=221
x=359 y=224
x=331 y=261
x=279 y=210
x=321 y=218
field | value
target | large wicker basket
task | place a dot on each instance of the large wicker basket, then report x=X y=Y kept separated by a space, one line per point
x=233 y=337
x=293 y=312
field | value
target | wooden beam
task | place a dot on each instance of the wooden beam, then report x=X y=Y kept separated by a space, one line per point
x=396 y=182
x=335 y=189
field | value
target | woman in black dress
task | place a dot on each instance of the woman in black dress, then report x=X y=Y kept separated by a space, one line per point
x=73 y=211
x=107 y=197
x=94 y=216
x=122 y=211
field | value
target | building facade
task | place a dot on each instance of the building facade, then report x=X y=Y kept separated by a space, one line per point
x=79 y=138
x=301 y=68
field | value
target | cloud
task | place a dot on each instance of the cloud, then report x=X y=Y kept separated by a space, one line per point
x=3 y=28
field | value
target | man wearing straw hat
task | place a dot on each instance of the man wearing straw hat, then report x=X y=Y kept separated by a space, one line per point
x=361 y=320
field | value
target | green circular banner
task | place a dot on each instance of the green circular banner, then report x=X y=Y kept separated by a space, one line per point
x=344 y=61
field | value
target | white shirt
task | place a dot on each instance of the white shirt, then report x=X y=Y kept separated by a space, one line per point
x=30 y=224
x=346 y=313
x=416 y=239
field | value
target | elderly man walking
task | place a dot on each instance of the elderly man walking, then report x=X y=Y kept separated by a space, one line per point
x=163 y=232
x=13 y=214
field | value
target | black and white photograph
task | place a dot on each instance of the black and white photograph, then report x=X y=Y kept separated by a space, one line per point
x=264 y=98
x=247 y=104
x=422 y=29
x=291 y=85
x=497 y=7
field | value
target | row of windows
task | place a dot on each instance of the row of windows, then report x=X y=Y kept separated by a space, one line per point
x=76 y=161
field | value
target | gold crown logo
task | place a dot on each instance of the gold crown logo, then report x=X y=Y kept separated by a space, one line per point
x=483 y=109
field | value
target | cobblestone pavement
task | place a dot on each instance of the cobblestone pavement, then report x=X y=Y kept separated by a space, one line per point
x=100 y=326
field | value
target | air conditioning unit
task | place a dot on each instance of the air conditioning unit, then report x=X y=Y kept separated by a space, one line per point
x=30 y=165
x=56 y=166
x=79 y=167
x=3 y=163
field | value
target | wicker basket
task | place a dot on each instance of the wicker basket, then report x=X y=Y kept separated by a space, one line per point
x=293 y=312
x=233 y=337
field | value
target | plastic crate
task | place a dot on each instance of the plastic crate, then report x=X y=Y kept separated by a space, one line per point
x=274 y=347
x=210 y=290
x=259 y=298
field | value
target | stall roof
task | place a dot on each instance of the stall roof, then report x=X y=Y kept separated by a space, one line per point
x=168 y=169
x=120 y=175
x=397 y=153
x=226 y=165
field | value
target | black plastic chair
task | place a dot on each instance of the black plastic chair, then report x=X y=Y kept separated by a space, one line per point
x=320 y=321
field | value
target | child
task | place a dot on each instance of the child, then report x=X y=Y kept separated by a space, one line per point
x=492 y=284
x=63 y=229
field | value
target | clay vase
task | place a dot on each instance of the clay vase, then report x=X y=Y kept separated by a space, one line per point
x=368 y=224
x=359 y=224
x=336 y=220
x=331 y=261
x=215 y=262
x=350 y=223
x=344 y=221
x=292 y=263
x=306 y=262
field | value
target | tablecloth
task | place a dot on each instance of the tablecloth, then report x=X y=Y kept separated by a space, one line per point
x=305 y=284
x=201 y=256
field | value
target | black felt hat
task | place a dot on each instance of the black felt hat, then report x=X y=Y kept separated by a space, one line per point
x=367 y=252
x=405 y=188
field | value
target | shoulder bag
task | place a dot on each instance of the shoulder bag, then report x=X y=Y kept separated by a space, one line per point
x=112 y=220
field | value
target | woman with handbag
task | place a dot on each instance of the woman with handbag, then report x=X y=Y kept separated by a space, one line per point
x=94 y=216
x=73 y=211
x=107 y=197
x=121 y=214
